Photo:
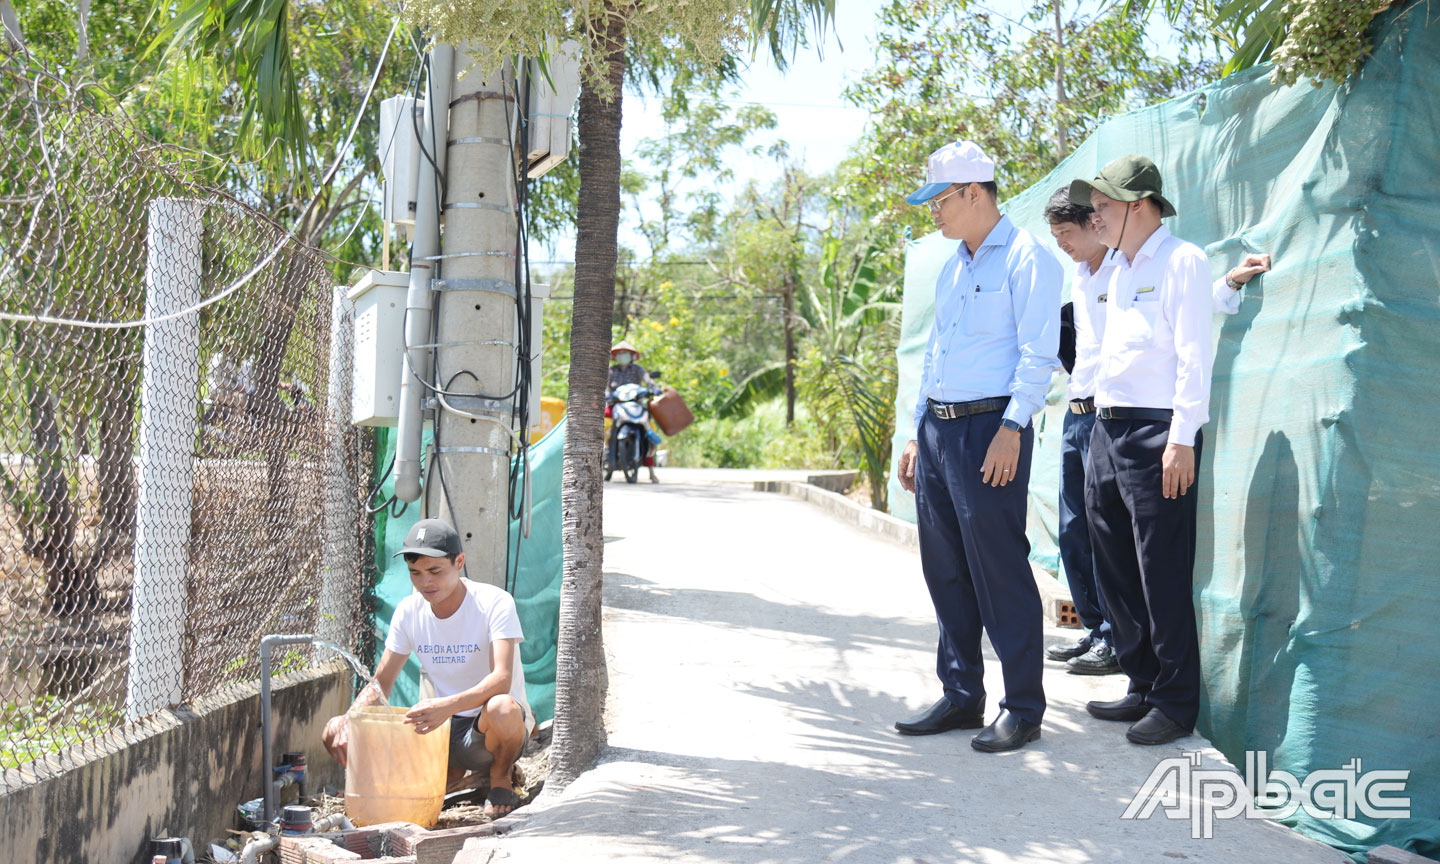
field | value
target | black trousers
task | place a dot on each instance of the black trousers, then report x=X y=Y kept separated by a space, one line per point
x=976 y=560
x=1144 y=547
x=1073 y=535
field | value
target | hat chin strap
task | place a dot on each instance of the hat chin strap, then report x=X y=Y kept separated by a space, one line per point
x=1123 y=223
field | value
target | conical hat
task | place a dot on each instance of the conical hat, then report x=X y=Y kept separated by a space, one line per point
x=624 y=345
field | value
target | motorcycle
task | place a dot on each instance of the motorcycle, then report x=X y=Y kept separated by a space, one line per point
x=631 y=440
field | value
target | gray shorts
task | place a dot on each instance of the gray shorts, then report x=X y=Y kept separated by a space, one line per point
x=467 y=744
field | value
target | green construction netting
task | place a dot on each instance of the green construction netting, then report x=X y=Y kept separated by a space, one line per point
x=1320 y=489
x=537 y=582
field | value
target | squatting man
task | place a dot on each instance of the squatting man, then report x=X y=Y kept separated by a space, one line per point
x=467 y=635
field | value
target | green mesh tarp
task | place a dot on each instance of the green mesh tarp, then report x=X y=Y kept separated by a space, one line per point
x=537 y=583
x=1315 y=578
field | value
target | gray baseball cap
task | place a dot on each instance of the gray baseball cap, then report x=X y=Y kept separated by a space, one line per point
x=433 y=538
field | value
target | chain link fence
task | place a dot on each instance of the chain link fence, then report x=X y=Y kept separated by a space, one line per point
x=173 y=481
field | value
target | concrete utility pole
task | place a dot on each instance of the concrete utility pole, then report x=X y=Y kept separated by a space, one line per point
x=477 y=322
x=468 y=281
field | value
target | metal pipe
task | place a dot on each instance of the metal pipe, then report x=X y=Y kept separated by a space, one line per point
x=255 y=848
x=333 y=822
x=415 y=365
x=266 y=744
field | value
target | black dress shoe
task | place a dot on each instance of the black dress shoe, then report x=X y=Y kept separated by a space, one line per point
x=1008 y=732
x=941 y=717
x=1156 y=728
x=1128 y=710
x=1099 y=660
x=1065 y=650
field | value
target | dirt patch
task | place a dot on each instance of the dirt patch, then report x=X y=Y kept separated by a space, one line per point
x=468 y=808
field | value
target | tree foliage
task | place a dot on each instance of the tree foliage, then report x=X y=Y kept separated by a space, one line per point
x=992 y=80
x=1316 y=39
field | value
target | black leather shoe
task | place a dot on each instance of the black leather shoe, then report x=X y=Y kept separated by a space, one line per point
x=1008 y=732
x=1099 y=660
x=1065 y=650
x=941 y=717
x=1128 y=710
x=1155 y=728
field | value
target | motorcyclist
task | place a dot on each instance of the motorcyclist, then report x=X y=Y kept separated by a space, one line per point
x=625 y=368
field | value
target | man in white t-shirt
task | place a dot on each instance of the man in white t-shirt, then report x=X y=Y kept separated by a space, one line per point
x=467 y=635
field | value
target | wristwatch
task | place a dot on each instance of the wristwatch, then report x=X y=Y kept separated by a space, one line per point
x=1234 y=286
x=1011 y=425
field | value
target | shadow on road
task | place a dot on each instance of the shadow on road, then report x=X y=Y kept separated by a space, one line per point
x=744 y=611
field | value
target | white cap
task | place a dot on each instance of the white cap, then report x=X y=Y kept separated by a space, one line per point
x=956 y=162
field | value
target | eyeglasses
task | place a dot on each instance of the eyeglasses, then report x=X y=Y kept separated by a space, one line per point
x=934 y=203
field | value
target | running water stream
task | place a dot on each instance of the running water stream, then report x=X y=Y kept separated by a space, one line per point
x=357 y=666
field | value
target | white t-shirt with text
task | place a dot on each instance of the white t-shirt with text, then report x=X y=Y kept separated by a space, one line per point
x=455 y=652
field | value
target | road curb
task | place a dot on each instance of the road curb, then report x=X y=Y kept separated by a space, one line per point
x=1055 y=602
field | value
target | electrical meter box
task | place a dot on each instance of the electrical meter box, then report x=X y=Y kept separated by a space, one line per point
x=399 y=148
x=379 y=299
x=550 y=107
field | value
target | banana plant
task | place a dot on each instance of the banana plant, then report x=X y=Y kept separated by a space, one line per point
x=852 y=313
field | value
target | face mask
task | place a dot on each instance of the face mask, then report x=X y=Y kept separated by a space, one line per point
x=623 y=358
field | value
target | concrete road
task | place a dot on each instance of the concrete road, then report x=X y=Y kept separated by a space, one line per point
x=759 y=652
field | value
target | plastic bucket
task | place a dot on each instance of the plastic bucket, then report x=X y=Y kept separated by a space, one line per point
x=393 y=773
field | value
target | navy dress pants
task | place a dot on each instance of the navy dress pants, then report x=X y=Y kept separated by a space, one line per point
x=1074 y=529
x=1144 y=545
x=976 y=561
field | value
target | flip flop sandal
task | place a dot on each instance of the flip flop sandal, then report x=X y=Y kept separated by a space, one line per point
x=501 y=798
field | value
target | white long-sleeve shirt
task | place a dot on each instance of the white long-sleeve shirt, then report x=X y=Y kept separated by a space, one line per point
x=1156 y=350
x=1089 y=300
x=1088 y=305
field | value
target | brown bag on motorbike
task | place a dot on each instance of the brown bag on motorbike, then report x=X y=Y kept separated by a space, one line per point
x=670 y=412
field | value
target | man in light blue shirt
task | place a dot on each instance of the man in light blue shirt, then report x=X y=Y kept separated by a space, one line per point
x=990 y=358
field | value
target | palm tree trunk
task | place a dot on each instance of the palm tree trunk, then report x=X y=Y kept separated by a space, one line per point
x=580 y=667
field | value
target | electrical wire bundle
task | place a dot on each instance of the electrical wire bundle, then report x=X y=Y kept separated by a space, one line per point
x=518 y=486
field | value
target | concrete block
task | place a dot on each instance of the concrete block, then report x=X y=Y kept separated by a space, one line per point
x=833 y=481
x=477 y=850
x=441 y=847
x=402 y=838
x=314 y=850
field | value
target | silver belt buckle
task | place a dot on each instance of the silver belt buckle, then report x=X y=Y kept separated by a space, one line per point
x=943 y=411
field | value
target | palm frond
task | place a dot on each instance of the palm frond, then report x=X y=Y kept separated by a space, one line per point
x=251 y=40
x=761 y=386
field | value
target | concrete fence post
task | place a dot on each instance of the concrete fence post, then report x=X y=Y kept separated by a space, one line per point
x=341 y=513
x=168 y=392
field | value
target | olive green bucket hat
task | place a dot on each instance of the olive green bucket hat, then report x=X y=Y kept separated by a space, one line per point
x=1129 y=178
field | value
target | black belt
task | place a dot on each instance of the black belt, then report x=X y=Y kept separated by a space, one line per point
x=956 y=410
x=1083 y=406
x=1135 y=414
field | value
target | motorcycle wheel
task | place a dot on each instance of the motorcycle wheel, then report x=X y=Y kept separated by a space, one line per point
x=633 y=459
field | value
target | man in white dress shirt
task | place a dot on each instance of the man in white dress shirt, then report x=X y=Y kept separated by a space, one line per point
x=1071 y=225
x=1152 y=396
